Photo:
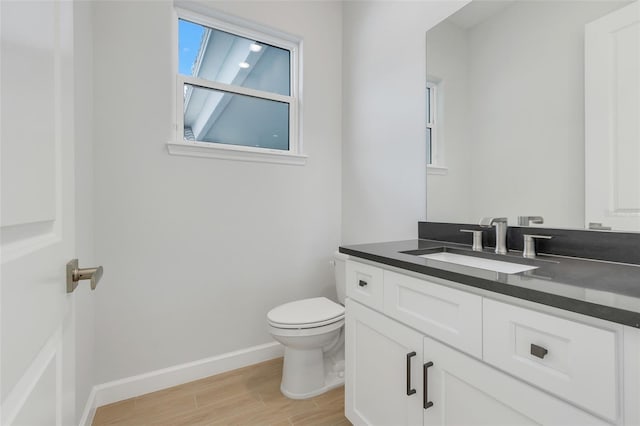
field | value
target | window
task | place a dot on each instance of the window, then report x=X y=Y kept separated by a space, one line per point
x=432 y=93
x=237 y=91
x=434 y=157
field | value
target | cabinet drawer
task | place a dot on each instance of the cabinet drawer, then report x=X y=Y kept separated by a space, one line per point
x=449 y=315
x=574 y=361
x=364 y=284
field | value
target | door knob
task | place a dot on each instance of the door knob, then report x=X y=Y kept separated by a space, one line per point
x=75 y=274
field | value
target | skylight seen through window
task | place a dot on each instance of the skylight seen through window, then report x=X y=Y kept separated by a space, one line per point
x=221 y=110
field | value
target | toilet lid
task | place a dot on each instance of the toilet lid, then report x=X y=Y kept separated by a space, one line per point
x=306 y=312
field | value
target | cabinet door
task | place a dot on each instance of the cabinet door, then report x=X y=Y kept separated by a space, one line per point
x=465 y=391
x=383 y=377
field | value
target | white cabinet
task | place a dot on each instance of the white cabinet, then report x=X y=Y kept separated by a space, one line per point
x=466 y=391
x=383 y=368
x=364 y=284
x=574 y=361
x=413 y=341
x=397 y=376
x=449 y=315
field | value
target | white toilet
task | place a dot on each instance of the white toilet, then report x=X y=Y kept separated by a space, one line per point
x=312 y=333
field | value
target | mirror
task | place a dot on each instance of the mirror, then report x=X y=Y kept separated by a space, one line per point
x=533 y=110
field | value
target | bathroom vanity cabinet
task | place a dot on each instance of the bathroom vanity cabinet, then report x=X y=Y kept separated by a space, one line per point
x=420 y=350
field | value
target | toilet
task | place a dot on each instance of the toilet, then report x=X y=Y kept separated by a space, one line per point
x=312 y=333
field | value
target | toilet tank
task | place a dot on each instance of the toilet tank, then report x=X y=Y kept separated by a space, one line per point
x=339 y=270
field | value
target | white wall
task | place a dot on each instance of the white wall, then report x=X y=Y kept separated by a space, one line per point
x=384 y=173
x=196 y=251
x=83 y=297
x=449 y=194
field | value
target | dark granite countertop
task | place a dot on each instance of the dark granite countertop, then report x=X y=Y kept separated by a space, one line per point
x=606 y=290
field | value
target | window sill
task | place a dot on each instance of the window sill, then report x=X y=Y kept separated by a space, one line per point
x=236 y=153
x=436 y=170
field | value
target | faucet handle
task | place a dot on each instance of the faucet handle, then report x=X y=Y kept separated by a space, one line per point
x=477 y=238
x=530 y=246
x=527 y=220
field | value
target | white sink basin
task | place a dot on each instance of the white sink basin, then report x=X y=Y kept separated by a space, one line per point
x=479 y=262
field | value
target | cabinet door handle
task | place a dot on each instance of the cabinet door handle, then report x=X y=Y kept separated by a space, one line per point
x=425 y=398
x=538 y=351
x=362 y=283
x=409 y=390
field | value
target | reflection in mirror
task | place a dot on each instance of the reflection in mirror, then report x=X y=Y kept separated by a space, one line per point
x=512 y=139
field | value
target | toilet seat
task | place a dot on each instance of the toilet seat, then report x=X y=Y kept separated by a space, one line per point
x=305 y=331
x=306 y=313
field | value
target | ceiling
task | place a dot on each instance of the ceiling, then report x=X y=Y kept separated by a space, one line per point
x=477 y=11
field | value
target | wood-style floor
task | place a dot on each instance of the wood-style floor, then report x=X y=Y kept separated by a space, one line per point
x=248 y=396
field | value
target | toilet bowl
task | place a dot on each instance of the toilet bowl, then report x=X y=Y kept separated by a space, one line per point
x=312 y=333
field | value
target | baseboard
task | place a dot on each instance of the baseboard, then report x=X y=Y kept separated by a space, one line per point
x=118 y=390
x=89 y=409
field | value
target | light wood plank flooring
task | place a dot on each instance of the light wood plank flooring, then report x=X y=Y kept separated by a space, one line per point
x=248 y=396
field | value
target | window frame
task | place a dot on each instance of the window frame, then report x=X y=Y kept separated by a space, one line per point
x=434 y=122
x=216 y=20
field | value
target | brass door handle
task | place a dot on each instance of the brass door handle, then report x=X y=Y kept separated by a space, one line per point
x=75 y=274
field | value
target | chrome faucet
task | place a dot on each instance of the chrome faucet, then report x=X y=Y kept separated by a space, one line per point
x=501 y=231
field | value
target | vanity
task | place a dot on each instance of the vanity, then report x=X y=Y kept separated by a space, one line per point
x=431 y=341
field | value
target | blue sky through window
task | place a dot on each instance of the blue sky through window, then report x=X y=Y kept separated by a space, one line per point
x=189 y=37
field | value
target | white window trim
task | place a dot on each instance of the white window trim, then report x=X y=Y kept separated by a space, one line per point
x=437 y=153
x=235 y=152
x=205 y=16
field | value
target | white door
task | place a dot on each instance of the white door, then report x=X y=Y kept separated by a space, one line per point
x=612 y=119
x=383 y=370
x=37 y=213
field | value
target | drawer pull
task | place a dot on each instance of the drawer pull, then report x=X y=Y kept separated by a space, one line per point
x=409 y=390
x=362 y=283
x=425 y=398
x=538 y=351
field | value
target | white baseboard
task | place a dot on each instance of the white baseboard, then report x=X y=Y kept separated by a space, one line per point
x=89 y=409
x=118 y=390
